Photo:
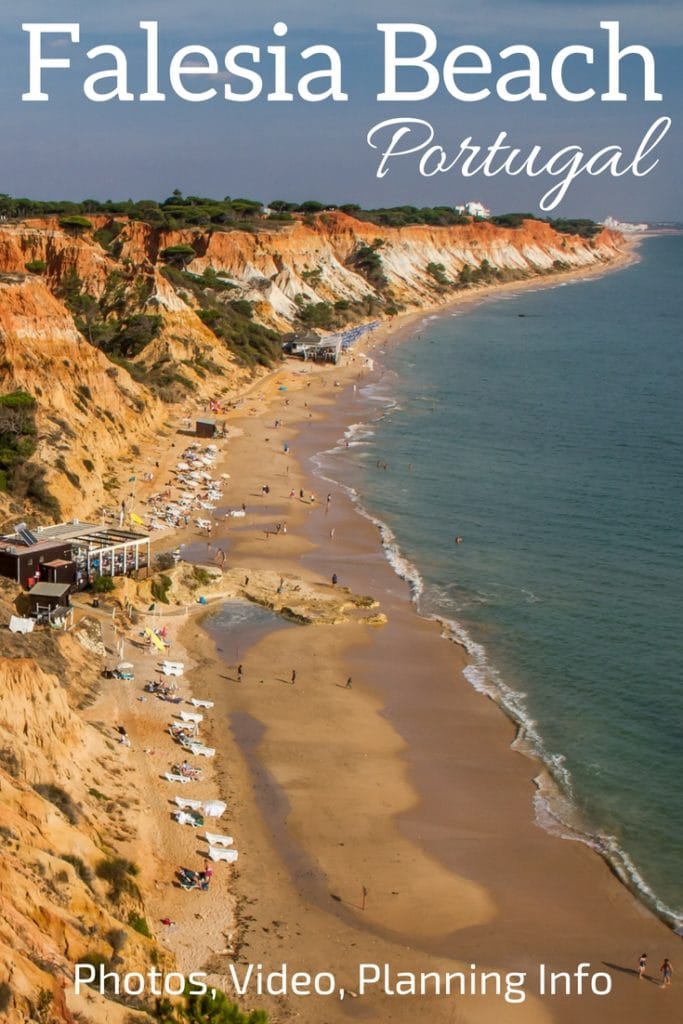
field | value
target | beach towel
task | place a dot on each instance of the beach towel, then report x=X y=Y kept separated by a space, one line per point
x=215 y=808
x=183 y=818
x=19 y=625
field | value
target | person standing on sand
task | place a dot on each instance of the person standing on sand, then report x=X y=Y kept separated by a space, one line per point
x=666 y=971
x=642 y=964
x=239 y=673
x=293 y=676
x=349 y=683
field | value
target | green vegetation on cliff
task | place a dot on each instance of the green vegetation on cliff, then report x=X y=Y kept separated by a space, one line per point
x=178 y=211
x=19 y=477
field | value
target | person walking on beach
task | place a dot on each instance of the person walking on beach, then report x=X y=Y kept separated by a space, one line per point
x=642 y=964
x=293 y=676
x=349 y=683
x=239 y=673
x=335 y=579
x=666 y=971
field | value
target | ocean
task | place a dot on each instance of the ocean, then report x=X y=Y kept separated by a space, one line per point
x=545 y=429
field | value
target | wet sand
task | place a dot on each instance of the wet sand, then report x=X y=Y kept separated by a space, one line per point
x=385 y=822
x=404 y=785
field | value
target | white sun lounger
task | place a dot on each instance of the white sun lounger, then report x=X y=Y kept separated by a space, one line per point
x=194 y=805
x=190 y=716
x=201 y=703
x=215 y=853
x=215 y=840
x=203 y=751
x=172 y=668
x=182 y=779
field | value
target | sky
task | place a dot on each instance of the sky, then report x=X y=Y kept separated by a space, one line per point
x=72 y=148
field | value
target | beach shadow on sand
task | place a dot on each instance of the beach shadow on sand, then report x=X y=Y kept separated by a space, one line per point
x=630 y=970
x=347 y=903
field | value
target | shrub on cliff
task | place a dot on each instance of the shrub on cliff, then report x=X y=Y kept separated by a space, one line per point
x=61 y=800
x=80 y=867
x=75 y=223
x=5 y=996
x=17 y=444
x=103 y=585
x=178 y=255
x=160 y=589
x=119 y=873
x=139 y=924
x=438 y=272
x=216 y=1009
x=367 y=261
x=36 y=266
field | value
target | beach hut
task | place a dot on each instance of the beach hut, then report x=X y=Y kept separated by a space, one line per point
x=50 y=601
x=206 y=426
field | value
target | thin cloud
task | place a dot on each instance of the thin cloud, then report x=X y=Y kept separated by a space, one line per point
x=533 y=19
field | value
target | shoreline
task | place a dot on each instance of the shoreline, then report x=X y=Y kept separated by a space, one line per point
x=529 y=793
x=306 y=556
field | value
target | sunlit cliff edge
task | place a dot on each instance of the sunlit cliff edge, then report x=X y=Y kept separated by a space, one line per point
x=69 y=816
x=91 y=410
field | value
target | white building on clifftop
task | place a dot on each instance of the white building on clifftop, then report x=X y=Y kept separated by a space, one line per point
x=474 y=209
x=623 y=226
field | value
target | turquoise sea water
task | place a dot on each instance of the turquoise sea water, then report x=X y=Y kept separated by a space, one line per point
x=546 y=429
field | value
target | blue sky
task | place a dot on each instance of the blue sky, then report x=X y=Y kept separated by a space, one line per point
x=72 y=148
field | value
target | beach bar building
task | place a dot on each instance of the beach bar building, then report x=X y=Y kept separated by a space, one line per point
x=71 y=553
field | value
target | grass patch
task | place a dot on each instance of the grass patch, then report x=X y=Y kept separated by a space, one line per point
x=139 y=924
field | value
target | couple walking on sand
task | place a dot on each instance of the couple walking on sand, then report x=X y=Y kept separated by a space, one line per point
x=666 y=970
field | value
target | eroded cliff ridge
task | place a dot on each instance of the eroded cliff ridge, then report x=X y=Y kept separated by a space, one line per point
x=71 y=834
x=106 y=323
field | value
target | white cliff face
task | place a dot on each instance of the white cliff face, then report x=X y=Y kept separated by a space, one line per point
x=312 y=260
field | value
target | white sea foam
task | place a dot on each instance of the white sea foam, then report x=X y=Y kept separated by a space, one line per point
x=556 y=814
x=554 y=807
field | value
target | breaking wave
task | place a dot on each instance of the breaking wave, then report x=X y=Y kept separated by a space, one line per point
x=554 y=807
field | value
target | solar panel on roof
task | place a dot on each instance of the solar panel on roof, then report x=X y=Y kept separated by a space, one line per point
x=23 y=531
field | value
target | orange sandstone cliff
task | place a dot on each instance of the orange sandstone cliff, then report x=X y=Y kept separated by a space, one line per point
x=68 y=824
x=92 y=410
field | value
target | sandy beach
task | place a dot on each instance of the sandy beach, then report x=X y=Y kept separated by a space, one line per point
x=379 y=811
